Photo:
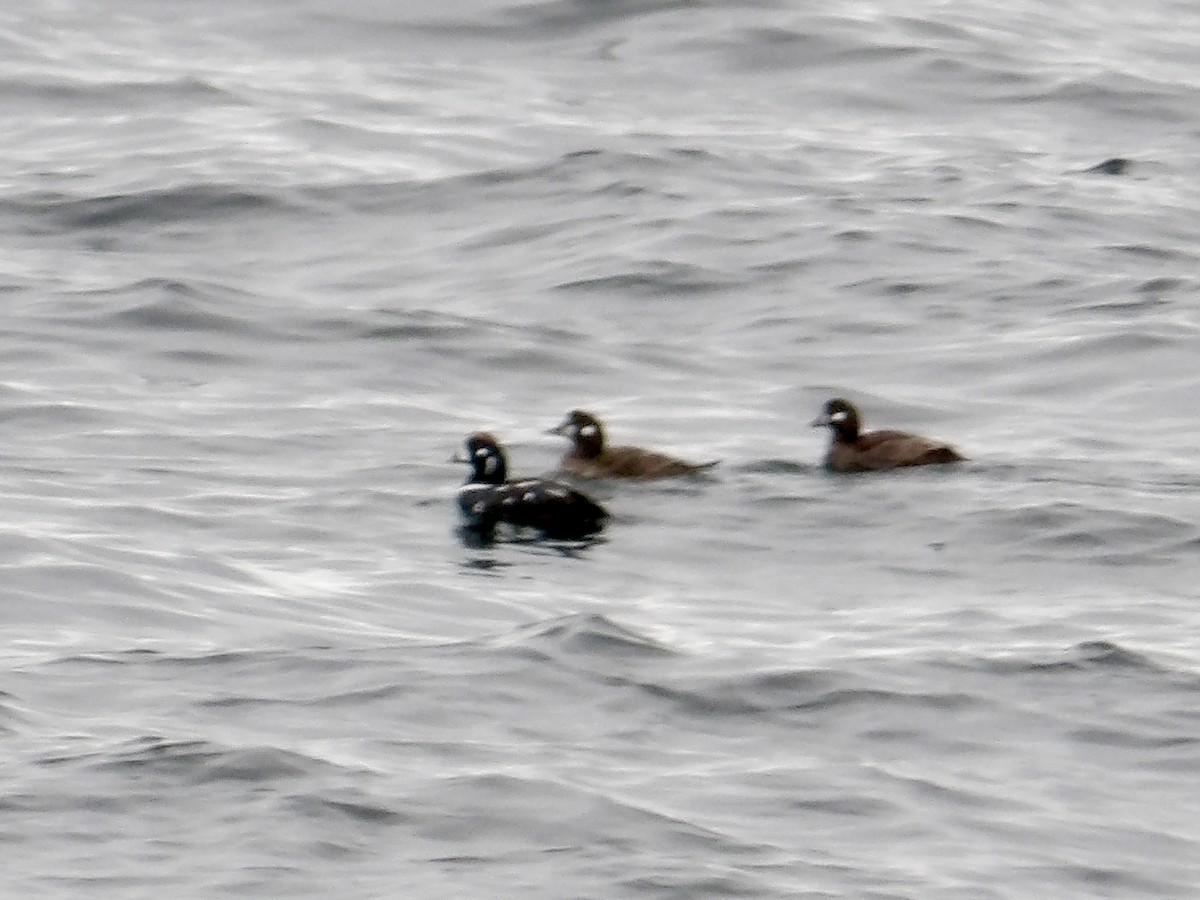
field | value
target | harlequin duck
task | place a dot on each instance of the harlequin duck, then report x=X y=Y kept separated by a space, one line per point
x=589 y=458
x=489 y=498
x=852 y=451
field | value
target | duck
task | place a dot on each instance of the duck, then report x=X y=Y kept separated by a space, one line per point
x=589 y=457
x=488 y=498
x=852 y=450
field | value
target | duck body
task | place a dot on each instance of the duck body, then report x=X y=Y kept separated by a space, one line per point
x=852 y=450
x=590 y=457
x=488 y=498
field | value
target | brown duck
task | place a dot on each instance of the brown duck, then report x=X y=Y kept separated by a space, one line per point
x=874 y=451
x=590 y=458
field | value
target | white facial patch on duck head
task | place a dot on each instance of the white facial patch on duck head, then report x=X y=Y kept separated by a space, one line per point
x=588 y=431
x=839 y=417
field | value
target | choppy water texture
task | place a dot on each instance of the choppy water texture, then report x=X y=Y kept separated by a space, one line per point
x=265 y=266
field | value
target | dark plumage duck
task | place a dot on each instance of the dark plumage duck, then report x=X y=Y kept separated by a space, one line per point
x=590 y=458
x=873 y=451
x=488 y=498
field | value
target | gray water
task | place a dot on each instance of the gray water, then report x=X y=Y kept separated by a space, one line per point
x=265 y=265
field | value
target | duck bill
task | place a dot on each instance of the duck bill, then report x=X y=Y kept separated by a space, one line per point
x=560 y=430
x=821 y=421
x=459 y=457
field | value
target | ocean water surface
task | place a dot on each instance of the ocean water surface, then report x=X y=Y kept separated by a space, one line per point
x=266 y=266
